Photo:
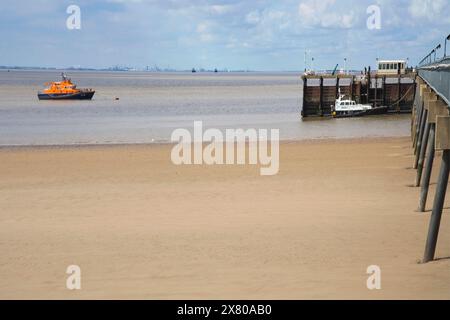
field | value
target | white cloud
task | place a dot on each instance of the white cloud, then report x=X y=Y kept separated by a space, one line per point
x=429 y=9
x=177 y=32
x=253 y=17
x=204 y=31
x=221 y=9
x=202 y=27
x=324 y=13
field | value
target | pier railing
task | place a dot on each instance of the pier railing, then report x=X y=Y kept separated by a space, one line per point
x=437 y=76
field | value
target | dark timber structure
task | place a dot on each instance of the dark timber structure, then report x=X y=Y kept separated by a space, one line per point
x=395 y=91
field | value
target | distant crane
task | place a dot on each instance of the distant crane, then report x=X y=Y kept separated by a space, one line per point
x=334 y=71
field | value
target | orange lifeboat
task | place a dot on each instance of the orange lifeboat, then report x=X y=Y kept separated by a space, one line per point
x=65 y=89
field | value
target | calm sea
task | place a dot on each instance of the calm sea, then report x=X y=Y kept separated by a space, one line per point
x=152 y=105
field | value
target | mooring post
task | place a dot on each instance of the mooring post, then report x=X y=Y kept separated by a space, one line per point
x=321 y=97
x=305 y=90
x=352 y=93
x=376 y=89
x=442 y=143
x=369 y=83
x=337 y=87
x=399 y=92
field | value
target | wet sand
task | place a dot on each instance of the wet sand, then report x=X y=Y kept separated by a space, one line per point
x=140 y=227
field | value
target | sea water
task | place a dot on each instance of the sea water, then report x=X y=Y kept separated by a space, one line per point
x=151 y=106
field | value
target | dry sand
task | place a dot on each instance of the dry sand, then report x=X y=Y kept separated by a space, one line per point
x=140 y=227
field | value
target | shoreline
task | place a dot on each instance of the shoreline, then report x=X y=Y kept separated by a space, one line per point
x=157 y=144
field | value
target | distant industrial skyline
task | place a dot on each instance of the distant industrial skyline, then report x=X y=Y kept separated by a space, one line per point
x=258 y=35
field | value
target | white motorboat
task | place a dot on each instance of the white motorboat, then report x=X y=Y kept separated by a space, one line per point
x=349 y=108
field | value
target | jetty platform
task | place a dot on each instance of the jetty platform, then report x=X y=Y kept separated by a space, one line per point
x=395 y=91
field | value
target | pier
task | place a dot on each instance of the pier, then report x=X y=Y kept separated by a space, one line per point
x=395 y=91
x=430 y=131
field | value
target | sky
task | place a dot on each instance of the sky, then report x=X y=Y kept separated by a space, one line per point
x=260 y=35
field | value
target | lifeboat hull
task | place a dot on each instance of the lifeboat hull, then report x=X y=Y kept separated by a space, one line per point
x=82 y=95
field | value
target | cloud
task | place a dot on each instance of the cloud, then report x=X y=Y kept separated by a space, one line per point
x=241 y=34
x=205 y=32
x=221 y=9
x=253 y=17
x=325 y=13
x=429 y=9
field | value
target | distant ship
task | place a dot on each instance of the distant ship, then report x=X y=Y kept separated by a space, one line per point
x=64 y=90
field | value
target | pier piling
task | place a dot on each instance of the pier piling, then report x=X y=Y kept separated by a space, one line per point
x=428 y=170
x=423 y=149
x=417 y=114
x=417 y=122
x=420 y=137
x=423 y=88
x=442 y=143
x=434 y=95
x=430 y=100
x=435 y=221
x=435 y=108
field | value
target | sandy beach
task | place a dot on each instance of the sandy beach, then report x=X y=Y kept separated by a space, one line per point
x=140 y=227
